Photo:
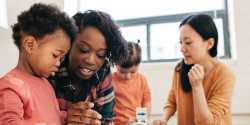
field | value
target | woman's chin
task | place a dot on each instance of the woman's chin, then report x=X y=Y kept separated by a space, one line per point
x=187 y=62
x=82 y=76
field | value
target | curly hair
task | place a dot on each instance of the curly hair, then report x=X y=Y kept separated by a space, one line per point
x=42 y=19
x=117 y=50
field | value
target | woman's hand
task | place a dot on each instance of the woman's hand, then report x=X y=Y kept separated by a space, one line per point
x=81 y=112
x=196 y=75
x=159 y=122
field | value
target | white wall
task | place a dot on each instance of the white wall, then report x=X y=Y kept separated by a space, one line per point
x=8 y=50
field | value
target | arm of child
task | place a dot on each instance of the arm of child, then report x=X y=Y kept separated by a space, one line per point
x=146 y=101
x=11 y=108
x=148 y=106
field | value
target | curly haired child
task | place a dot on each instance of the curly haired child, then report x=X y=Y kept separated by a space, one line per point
x=43 y=35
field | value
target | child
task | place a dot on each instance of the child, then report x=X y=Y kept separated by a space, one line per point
x=131 y=88
x=42 y=35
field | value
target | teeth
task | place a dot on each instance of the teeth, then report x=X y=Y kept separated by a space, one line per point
x=86 y=70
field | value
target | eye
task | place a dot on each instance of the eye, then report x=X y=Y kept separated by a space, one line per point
x=55 y=56
x=100 y=56
x=188 y=43
x=82 y=51
x=132 y=72
x=122 y=72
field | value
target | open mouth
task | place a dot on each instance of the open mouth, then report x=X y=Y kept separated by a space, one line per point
x=86 y=71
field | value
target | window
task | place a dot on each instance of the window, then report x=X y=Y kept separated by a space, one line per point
x=3 y=14
x=156 y=23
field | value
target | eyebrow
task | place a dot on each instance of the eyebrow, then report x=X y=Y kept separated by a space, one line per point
x=90 y=45
x=60 y=50
x=185 y=38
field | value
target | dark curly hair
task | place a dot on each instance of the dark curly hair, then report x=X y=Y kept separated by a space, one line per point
x=117 y=51
x=42 y=19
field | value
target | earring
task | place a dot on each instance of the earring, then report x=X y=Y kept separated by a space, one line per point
x=30 y=53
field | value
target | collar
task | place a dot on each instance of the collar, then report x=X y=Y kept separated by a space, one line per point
x=64 y=81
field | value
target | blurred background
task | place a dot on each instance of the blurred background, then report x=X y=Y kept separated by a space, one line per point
x=156 y=24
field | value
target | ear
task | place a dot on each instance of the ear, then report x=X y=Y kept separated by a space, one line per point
x=210 y=43
x=29 y=44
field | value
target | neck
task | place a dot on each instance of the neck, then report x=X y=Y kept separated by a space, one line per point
x=208 y=64
x=23 y=65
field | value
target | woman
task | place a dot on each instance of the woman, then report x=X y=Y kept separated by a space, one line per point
x=202 y=86
x=84 y=75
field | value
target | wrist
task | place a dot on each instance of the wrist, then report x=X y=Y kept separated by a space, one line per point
x=197 y=87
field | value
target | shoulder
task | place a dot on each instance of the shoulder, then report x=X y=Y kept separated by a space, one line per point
x=12 y=80
x=139 y=75
x=178 y=64
x=222 y=70
x=223 y=76
x=142 y=78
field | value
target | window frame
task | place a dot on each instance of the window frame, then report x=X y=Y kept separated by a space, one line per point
x=176 y=18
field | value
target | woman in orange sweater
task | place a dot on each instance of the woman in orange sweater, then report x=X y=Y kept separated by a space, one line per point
x=202 y=86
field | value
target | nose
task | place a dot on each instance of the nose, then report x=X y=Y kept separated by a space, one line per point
x=127 y=76
x=57 y=64
x=90 y=59
x=183 y=48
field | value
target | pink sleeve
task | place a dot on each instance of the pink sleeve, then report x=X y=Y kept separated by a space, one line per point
x=11 y=108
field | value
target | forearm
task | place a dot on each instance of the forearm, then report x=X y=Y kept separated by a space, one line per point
x=167 y=113
x=201 y=111
x=148 y=106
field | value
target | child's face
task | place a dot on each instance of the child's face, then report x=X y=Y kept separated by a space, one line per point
x=45 y=58
x=127 y=73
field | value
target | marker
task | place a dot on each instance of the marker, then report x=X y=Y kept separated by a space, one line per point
x=109 y=116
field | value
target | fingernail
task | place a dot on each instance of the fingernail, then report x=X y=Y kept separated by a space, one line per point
x=97 y=122
x=91 y=105
x=99 y=116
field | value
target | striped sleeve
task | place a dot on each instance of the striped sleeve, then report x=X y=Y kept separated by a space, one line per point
x=106 y=98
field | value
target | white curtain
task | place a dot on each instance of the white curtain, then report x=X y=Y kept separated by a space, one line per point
x=3 y=14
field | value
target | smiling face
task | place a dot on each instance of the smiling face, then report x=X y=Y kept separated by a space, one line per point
x=46 y=54
x=127 y=73
x=193 y=47
x=87 y=54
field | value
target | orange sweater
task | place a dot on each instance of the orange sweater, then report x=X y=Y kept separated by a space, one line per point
x=218 y=90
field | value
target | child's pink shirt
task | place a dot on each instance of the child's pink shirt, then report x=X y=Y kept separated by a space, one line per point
x=28 y=100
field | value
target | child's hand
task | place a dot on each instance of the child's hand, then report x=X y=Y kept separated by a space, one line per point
x=132 y=119
x=159 y=122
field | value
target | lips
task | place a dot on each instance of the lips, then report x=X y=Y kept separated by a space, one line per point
x=186 y=57
x=86 y=71
x=52 y=73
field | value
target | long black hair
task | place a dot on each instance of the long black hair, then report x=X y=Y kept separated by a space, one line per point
x=204 y=25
